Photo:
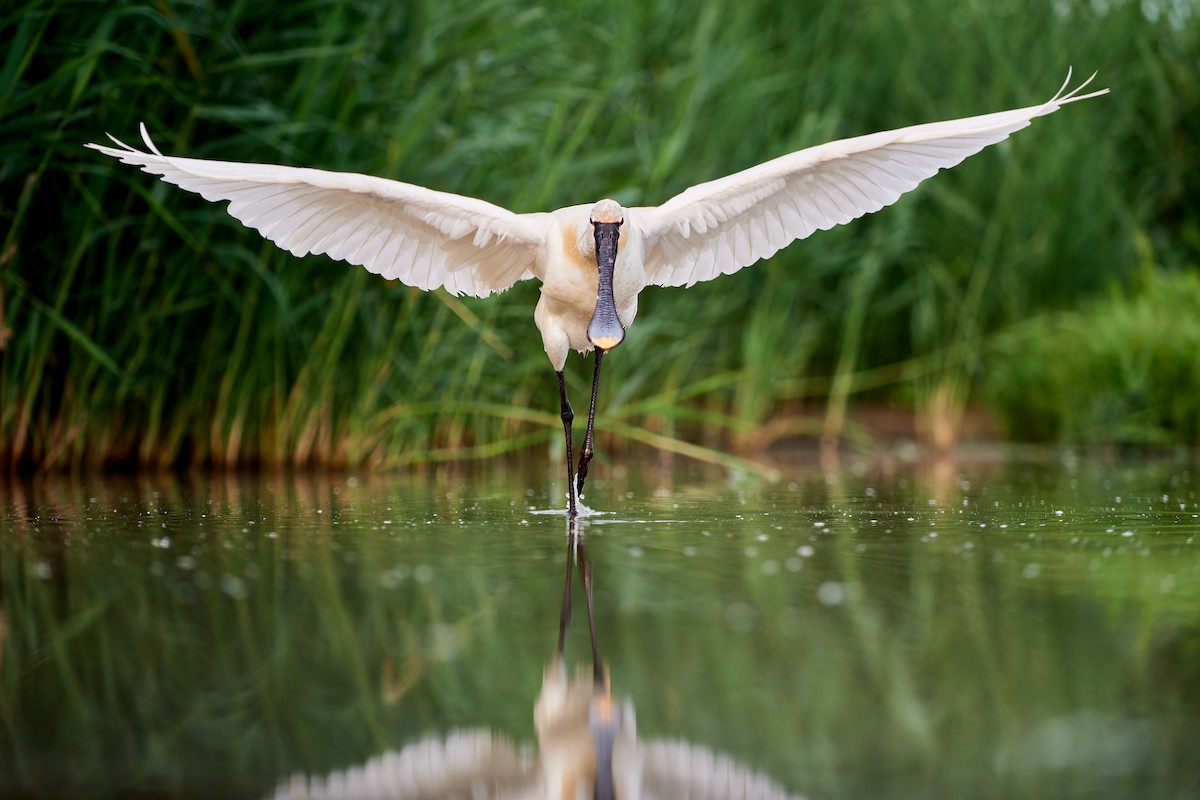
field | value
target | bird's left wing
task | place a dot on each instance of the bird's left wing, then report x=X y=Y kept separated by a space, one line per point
x=422 y=237
x=466 y=764
x=721 y=226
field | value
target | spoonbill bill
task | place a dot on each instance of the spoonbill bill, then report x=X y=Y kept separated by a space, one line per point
x=592 y=259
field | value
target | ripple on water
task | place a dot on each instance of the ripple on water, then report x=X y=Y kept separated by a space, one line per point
x=158 y=622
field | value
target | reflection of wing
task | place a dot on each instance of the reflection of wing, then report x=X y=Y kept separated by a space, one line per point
x=465 y=765
x=478 y=765
x=678 y=769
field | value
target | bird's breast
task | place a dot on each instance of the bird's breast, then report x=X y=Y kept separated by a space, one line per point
x=570 y=280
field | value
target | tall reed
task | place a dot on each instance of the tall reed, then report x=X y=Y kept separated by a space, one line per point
x=142 y=325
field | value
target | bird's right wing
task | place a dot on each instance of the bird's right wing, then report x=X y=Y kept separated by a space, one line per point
x=724 y=225
x=420 y=236
x=671 y=769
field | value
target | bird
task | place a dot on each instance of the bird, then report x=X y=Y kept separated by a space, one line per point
x=592 y=259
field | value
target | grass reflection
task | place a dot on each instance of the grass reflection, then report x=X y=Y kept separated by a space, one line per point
x=916 y=633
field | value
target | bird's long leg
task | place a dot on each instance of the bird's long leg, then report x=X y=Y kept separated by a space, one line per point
x=586 y=453
x=568 y=416
x=585 y=573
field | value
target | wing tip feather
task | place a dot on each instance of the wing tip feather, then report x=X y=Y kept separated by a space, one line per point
x=1064 y=96
x=149 y=143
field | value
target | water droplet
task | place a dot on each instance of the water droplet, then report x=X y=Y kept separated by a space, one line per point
x=831 y=593
x=233 y=586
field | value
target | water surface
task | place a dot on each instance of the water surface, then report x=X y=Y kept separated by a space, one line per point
x=996 y=630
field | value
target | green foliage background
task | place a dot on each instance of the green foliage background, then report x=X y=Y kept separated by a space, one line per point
x=141 y=324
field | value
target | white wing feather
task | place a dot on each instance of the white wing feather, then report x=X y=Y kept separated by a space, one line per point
x=466 y=764
x=419 y=236
x=673 y=769
x=722 y=226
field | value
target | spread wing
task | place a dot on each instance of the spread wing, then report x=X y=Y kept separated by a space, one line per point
x=466 y=764
x=672 y=769
x=422 y=237
x=721 y=226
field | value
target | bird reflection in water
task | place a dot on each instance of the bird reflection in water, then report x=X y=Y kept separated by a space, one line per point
x=587 y=746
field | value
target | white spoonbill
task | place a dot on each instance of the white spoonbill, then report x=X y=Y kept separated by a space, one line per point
x=591 y=259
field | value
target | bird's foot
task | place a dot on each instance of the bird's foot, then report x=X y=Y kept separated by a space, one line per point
x=572 y=503
x=585 y=458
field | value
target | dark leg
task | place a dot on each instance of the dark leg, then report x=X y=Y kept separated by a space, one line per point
x=564 y=617
x=568 y=416
x=585 y=455
x=604 y=716
x=585 y=572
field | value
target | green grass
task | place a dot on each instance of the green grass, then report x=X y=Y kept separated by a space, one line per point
x=145 y=326
x=1122 y=371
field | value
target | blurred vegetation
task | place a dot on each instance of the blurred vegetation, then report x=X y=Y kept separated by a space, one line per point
x=1122 y=370
x=140 y=324
x=209 y=638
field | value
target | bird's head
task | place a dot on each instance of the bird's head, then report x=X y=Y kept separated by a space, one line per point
x=607 y=212
x=605 y=330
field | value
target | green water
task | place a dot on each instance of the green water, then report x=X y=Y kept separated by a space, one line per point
x=1005 y=629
